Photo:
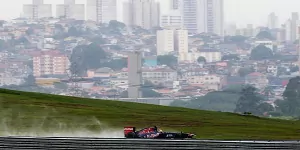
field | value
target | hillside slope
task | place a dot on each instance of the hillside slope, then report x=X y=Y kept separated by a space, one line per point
x=22 y=113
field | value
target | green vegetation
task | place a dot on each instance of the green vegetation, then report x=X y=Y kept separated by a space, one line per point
x=290 y=105
x=201 y=60
x=168 y=60
x=265 y=35
x=22 y=111
x=261 y=52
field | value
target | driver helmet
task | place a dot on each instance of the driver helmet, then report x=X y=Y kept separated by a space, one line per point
x=160 y=130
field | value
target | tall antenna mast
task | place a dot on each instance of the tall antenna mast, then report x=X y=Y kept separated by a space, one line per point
x=74 y=76
x=298 y=49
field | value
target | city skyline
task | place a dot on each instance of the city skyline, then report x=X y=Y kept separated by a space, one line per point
x=235 y=10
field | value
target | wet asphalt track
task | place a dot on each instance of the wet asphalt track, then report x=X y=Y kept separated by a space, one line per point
x=92 y=143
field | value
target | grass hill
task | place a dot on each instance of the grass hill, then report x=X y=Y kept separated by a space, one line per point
x=22 y=112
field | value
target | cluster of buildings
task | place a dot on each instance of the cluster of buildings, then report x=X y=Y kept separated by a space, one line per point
x=96 y=10
x=288 y=31
x=172 y=40
x=41 y=46
x=196 y=16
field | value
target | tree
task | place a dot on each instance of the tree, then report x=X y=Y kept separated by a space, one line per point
x=264 y=108
x=30 y=31
x=78 y=63
x=59 y=27
x=60 y=85
x=294 y=69
x=291 y=104
x=114 y=24
x=146 y=92
x=149 y=84
x=213 y=101
x=98 y=40
x=268 y=91
x=168 y=60
x=261 y=52
x=73 y=31
x=201 y=60
x=116 y=64
x=87 y=57
x=94 y=55
x=265 y=35
x=249 y=101
x=245 y=71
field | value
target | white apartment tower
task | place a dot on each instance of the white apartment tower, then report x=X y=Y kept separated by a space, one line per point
x=291 y=28
x=175 y=4
x=165 y=42
x=37 y=10
x=172 y=39
x=143 y=13
x=288 y=30
x=71 y=10
x=181 y=44
x=272 y=21
x=204 y=16
x=294 y=26
x=102 y=11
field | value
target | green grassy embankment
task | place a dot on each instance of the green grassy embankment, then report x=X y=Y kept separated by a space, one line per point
x=23 y=112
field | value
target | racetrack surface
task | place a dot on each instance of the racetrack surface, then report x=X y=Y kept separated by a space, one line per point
x=121 y=143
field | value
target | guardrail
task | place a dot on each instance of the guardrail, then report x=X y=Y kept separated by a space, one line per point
x=89 y=143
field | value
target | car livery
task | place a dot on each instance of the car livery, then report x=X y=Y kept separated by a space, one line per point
x=154 y=133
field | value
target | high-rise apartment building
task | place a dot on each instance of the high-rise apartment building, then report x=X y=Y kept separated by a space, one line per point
x=135 y=79
x=204 y=16
x=272 y=21
x=102 y=11
x=172 y=39
x=70 y=10
x=291 y=28
x=294 y=26
x=165 y=42
x=143 y=13
x=181 y=44
x=37 y=10
x=175 y=4
x=172 y=19
x=288 y=30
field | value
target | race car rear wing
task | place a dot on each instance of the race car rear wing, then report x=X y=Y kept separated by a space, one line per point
x=128 y=130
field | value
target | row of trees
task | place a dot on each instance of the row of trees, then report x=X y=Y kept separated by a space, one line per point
x=290 y=105
x=85 y=57
x=238 y=98
x=241 y=99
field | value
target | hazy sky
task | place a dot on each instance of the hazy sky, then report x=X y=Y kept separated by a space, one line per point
x=240 y=11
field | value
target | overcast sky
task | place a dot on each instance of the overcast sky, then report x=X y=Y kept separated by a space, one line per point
x=241 y=12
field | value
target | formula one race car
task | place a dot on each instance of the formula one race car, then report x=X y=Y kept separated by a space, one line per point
x=154 y=133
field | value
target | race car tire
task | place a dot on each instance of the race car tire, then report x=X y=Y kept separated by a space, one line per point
x=131 y=135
